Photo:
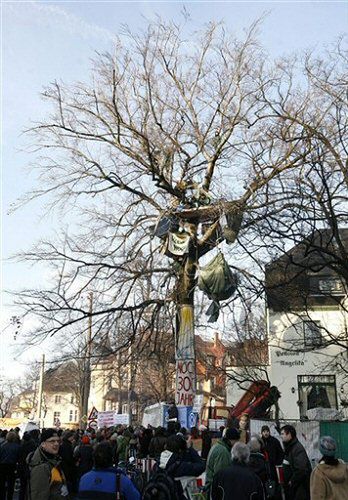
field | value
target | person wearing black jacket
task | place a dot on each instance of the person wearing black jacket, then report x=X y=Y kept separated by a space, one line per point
x=180 y=460
x=173 y=415
x=66 y=452
x=83 y=455
x=27 y=446
x=9 y=454
x=272 y=449
x=237 y=480
x=296 y=464
x=144 y=443
x=157 y=443
x=206 y=442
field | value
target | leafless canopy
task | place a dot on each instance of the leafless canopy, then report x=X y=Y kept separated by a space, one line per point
x=167 y=114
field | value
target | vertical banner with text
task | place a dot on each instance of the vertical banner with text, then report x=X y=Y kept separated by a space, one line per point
x=185 y=358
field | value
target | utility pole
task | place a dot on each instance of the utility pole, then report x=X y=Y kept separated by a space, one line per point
x=87 y=365
x=39 y=402
x=130 y=376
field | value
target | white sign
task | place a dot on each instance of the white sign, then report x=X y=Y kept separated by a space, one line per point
x=122 y=418
x=197 y=403
x=111 y=418
x=178 y=243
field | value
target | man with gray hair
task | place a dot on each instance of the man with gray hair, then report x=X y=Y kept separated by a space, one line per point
x=257 y=462
x=237 y=480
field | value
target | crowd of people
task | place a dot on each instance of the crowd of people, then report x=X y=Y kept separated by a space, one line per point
x=56 y=465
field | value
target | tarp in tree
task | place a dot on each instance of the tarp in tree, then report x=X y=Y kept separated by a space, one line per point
x=218 y=282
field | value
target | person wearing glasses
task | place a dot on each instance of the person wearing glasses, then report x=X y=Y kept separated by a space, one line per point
x=47 y=480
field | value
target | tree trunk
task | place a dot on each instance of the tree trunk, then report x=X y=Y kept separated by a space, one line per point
x=185 y=349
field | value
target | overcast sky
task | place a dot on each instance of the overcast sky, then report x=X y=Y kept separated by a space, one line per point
x=47 y=41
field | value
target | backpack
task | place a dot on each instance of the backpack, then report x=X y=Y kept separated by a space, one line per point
x=161 y=486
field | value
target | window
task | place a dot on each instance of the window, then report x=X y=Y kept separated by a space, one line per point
x=72 y=399
x=329 y=286
x=125 y=408
x=312 y=333
x=57 y=398
x=316 y=391
x=75 y=415
x=70 y=415
x=56 y=417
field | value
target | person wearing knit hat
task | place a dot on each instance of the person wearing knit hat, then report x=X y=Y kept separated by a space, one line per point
x=83 y=456
x=327 y=446
x=220 y=455
x=272 y=449
x=47 y=434
x=47 y=480
x=329 y=479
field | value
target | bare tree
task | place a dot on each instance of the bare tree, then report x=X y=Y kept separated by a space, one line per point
x=170 y=127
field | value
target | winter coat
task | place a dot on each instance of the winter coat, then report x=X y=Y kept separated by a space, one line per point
x=102 y=483
x=122 y=448
x=275 y=454
x=46 y=480
x=83 y=455
x=157 y=445
x=274 y=450
x=206 y=444
x=329 y=482
x=173 y=412
x=237 y=482
x=66 y=452
x=9 y=453
x=144 y=442
x=219 y=457
x=182 y=465
x=26 y=447
x=297 y=471
x=257 y=464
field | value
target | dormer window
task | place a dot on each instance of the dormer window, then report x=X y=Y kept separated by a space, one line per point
x=329 y=286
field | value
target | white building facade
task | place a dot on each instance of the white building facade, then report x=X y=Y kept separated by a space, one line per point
x=305 y=362
x=307 y=333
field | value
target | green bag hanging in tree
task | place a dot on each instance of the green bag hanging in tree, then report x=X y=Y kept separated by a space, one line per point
x=218 y=282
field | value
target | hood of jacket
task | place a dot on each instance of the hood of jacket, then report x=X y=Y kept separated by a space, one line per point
x=335 y=473
x=166 y=455
x=39 y=457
